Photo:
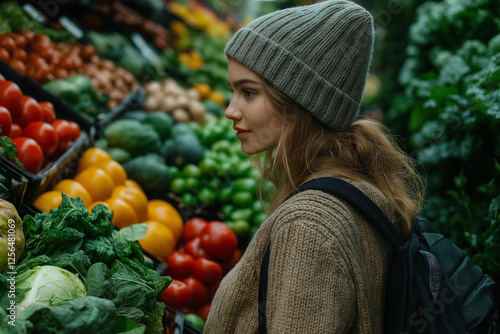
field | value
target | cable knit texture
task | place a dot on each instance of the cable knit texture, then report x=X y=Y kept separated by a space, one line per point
x=327 y=271
x=318 y=55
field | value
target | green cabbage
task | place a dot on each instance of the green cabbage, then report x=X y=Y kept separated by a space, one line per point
x=48 y=285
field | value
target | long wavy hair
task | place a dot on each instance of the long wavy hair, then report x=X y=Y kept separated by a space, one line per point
x=367 y=151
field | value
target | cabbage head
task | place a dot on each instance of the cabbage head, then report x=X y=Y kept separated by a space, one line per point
x=48 y=285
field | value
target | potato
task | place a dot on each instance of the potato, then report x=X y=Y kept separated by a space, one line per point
x=181 y=115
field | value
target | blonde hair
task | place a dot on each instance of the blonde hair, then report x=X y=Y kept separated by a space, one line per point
x=366 y=151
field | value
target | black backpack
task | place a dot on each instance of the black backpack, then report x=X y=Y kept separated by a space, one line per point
x=435 y=287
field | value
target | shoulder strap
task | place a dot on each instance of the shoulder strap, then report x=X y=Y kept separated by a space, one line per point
x=354 y=197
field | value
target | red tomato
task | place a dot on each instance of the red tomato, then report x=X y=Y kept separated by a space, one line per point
x=30 y=112
x=48 y=112
x=207 y=271
x=15 y=131
x=5 y=121
x=67 y=132
x=218 y=240
x=193 y=228
x=11 y=97
x=39 y=72
x=194 y=248
x=212 y=289
x=44 y=134
x=198 y=290
x=179 y=264
x=203 y=311
x=177 y=295
x=229 y=264
x=29 y=153
x=4 y=55
x=188 y=310
x=18 y=65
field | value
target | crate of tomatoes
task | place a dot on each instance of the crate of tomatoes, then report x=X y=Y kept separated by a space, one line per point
x=47 y=146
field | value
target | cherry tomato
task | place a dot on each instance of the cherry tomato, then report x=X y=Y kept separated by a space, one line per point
x=177 y=295
x=60 y=72
x=179 y=264
x=44 y=134
x=20 y=41
x=67 y=132
x=29 y=153
x=8 y=43
x=30 y=112
x=5 y=121
x=21 y=55
x=39 y=72
x=48 y=112
x=203 y=311
x=11 y=97
x=198 y=290
x=15 y=131
x=28 y=34
x=207 y=271
x=194 y=249
x=193 y=228
x=218 y=240
x=4 y=55
x=18 y=65
x=87 y=52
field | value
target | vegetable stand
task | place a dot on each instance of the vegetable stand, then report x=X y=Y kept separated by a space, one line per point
x=142 y=201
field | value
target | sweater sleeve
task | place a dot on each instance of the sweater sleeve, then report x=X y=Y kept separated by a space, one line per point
x=311 y=288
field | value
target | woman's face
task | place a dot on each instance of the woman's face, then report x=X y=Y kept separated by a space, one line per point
x=258 y=128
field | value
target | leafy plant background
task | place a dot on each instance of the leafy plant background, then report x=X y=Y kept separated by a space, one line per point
x=439 y=67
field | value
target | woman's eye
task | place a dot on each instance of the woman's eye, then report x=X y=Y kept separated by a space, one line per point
x=248 y=93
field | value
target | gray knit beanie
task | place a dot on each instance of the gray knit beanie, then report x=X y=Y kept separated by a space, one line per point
x=318 y=55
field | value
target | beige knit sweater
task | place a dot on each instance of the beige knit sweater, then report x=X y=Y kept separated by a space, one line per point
x=327 y=271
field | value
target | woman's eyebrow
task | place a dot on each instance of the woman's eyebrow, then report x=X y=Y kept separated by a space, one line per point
x=244 y=81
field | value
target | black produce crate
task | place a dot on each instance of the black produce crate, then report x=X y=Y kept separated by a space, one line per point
x=62 y=168
x=16 y=184
x=132 y=101
x=176 y=324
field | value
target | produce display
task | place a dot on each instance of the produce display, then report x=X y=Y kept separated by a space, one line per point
x=153 y=214
x=78 y=273
x=207 y=251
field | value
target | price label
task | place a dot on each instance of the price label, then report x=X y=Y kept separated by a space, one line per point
x=144 y=47
x=34 y=13
x=71 y=27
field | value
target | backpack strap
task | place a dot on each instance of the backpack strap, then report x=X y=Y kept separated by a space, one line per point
x=354 y=197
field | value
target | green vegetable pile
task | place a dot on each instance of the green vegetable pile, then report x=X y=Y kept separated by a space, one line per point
x=14 y=18
x=79 y=274
x=151 y=147
x=117 y=48
x=78 y=93
x=451 y=107
x=223 y=180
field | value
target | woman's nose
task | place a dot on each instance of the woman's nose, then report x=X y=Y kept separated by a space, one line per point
x=232 y=111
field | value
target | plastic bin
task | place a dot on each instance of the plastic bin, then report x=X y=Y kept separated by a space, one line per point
x=53 y=172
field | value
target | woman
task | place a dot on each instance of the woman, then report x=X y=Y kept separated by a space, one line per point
x=298 y=76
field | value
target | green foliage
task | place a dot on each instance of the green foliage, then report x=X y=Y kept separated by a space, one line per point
x=451 y=108
x=122 y=288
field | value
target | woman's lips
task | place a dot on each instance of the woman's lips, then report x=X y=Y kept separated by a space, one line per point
x=242 y=134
